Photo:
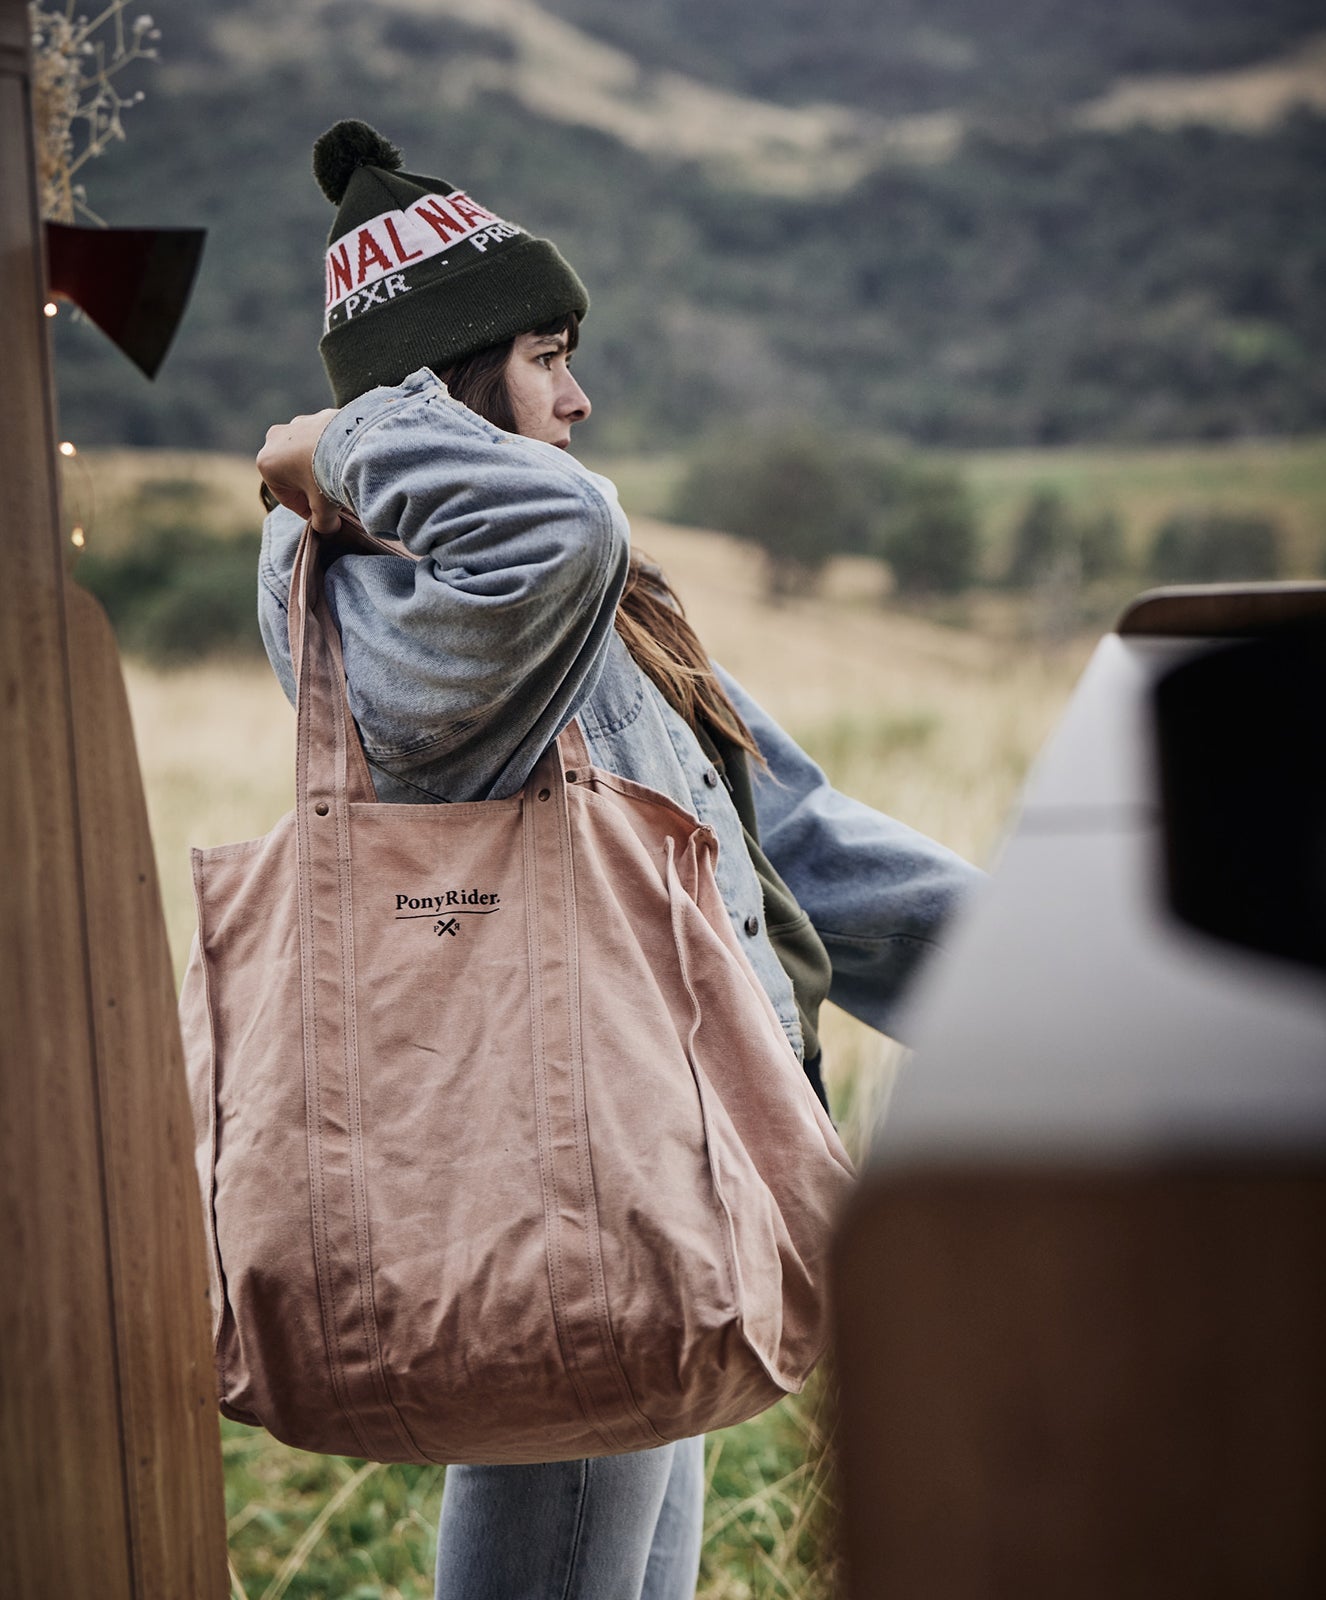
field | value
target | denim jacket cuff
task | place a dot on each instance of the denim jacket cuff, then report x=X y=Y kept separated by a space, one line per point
x=350 y=423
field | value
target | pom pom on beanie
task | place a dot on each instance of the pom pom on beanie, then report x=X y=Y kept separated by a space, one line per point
x=343 y=149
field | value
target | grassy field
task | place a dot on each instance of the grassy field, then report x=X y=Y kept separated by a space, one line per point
x=325 y=1528
x=1283 y=477
x=934 y=723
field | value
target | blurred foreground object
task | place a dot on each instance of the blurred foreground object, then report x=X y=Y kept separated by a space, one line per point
x=134 y=283
x=110 y=1461
x=1082 y=1289
x=1242 y=749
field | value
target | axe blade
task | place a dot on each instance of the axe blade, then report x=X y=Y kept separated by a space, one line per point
x=134 y=283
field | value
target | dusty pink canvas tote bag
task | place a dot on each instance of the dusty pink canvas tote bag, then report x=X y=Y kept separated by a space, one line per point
x=504 y=1154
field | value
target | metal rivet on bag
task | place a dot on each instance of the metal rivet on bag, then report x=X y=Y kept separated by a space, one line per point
x=322 y=808
x=711 y=777
x=545 y=794
x=752 y=925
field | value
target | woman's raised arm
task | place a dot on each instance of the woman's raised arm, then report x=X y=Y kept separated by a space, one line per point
x=466 y=661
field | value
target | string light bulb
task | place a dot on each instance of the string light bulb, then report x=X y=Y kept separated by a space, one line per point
x=78 y=490
x=51 y=309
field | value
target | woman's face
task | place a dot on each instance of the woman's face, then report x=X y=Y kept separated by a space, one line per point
x=545 y=399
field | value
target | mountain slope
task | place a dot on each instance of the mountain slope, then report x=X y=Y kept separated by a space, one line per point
x=764 y=226
x=898 y=56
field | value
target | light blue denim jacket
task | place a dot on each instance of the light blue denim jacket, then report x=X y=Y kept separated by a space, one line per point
x=464 y=664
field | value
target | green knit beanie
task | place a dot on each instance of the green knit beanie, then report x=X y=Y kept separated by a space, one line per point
x=418 y=273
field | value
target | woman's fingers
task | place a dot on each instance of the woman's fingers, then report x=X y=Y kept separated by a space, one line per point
x=286 y=464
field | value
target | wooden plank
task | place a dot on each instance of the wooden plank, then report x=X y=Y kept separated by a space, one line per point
x=59 y=1465
x=109 y=1462
x=172 y=1447
x=1087 y=1384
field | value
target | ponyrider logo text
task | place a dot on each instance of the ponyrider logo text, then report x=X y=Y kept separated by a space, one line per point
x=444 y=908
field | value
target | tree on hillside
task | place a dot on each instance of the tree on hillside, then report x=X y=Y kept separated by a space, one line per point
x=1035 y=287
x=1042 y=535
x=929 y=534
x=791 y=491
x=181 y=588
x=1051 y=538
x=1101 y=542
x=1209 y=546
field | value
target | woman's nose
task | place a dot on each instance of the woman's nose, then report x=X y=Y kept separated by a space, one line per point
x=573 y=403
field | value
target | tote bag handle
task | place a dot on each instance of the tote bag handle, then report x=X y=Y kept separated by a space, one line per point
x=329 y=759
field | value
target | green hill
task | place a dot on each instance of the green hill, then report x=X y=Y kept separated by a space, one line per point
x=887 y=213
x=902 y=56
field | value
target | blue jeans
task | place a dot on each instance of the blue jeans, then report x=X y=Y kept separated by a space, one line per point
x=612 y=1528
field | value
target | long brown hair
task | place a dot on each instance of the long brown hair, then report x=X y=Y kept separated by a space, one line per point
x=650 y=618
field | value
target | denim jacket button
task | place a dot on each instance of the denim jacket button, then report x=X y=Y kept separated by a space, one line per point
x=711 y=777
x=752 y=925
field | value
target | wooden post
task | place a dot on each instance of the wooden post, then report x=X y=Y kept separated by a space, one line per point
x=110 y=1468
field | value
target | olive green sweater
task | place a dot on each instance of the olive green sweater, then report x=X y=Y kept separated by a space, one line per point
x=799 y=949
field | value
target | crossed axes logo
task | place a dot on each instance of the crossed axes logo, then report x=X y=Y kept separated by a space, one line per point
x=436 y=908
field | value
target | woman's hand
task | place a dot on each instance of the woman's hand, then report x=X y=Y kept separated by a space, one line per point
x=286 y=465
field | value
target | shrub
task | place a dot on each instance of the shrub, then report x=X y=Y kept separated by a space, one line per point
x=1044 y=534
x=179 y=593
x=1100 y=540
x=1051 y=539
x=803 y=496
x=929 y=535
x=791 y=491
x=1207 y=546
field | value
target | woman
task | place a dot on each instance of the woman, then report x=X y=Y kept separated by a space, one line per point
x=448 y=340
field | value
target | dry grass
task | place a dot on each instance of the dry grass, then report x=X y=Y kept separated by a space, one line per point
x=933 y=724
x=216 y=745
x=99 y=489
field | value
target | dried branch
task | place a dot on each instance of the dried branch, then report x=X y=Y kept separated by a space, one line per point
x=78 y=108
